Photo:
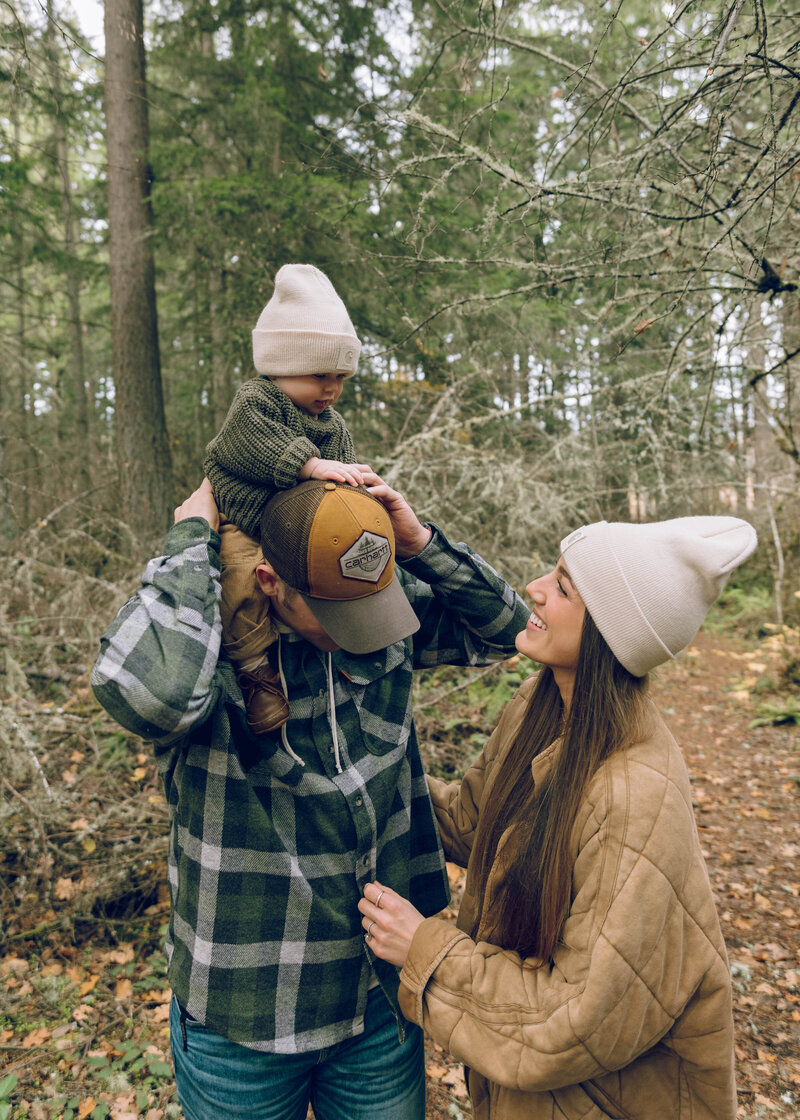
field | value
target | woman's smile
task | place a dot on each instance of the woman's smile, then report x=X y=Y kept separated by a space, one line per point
x=552 y=634
x=535 y=622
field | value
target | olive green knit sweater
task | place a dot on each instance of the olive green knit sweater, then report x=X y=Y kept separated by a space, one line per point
x=261 y=447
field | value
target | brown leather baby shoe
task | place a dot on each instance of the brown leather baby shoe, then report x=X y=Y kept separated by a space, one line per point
x=267 y=707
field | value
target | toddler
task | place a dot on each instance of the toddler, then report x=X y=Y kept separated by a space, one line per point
x=281 y=429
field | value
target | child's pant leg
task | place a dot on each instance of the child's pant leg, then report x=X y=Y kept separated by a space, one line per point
x=247 y=629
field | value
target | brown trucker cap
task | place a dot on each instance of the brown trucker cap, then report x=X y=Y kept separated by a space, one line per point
x=334 y=544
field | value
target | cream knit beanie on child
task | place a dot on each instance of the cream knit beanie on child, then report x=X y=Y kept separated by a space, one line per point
x=648 y=587
x=305 y=327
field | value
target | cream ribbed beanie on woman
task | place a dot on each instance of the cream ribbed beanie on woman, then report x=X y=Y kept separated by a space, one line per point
x=305 y=327
x=648 y=587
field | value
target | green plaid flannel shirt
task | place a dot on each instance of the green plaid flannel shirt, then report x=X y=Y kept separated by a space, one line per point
x=268 y=858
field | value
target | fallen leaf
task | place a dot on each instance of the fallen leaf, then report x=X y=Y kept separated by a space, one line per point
x=80 y=823
x=123 y=989
x=35 y=1038
x=13 y=964
x=86 y=1107
x=123 y=954
x=157 y=995
x=89 y=984
x=65 y=888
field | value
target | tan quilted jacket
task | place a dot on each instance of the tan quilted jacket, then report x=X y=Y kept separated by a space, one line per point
x=632 y=1018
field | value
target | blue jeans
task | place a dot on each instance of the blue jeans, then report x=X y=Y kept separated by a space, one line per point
x=370 y=1077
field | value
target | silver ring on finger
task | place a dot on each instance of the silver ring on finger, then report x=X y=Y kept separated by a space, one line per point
x=369 y=929
x=378 y=899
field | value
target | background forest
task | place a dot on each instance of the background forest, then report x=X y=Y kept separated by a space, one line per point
x=568 y=237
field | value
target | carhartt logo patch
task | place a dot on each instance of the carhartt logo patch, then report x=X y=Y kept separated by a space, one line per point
x=366 y=558
x=347 y=358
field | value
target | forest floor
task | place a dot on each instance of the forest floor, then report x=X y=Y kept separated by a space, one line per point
x=84 y=999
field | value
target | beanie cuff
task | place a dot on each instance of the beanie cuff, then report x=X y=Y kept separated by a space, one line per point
x=600 y=581
x=287 y=353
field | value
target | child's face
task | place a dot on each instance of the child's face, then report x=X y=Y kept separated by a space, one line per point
x=312 y=391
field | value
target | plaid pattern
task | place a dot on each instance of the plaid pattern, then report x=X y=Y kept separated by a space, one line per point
x=267 y=857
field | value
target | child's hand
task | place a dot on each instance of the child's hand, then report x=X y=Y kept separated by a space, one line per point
x=334 y=470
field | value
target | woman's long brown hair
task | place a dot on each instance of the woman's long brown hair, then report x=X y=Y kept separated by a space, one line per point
x=606 y=714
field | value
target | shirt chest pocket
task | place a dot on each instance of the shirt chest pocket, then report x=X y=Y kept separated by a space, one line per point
x=383 y=704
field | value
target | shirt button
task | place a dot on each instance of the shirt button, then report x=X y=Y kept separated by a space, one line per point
x=359 y=801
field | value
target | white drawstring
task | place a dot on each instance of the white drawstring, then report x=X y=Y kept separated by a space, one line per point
x=284 y=736
x=332 y=706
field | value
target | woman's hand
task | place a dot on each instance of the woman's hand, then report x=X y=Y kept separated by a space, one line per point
x=389 y=921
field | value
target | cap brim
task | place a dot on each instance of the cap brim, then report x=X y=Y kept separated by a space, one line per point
x=368 y=624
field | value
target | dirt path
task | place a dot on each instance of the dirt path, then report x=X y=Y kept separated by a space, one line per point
x=747 y=800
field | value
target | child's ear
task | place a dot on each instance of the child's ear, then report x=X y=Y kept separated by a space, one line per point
x=267 y=579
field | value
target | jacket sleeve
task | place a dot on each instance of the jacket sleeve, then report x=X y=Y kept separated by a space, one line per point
x=468 y=614
x=631 y=956
x=457 y=805
x=257 y=443
x=157 y=669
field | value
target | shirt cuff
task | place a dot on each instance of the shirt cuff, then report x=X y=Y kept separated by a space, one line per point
x=435 y=561
x=191 y=531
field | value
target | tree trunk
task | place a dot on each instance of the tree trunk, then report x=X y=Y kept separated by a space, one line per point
x=78 y=371
x=143 y=455
x=221 y=379
x=19 y=403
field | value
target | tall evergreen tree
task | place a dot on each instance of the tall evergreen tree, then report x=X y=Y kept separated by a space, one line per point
x=143 y=453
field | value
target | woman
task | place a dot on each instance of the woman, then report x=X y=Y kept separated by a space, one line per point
x=587 y=977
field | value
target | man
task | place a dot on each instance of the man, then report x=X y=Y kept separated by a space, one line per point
x=278 y=1000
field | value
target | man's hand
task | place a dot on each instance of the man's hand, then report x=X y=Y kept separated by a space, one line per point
x=334 y=470
x=389 y=922
x=199 y=504
x=410 y=534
